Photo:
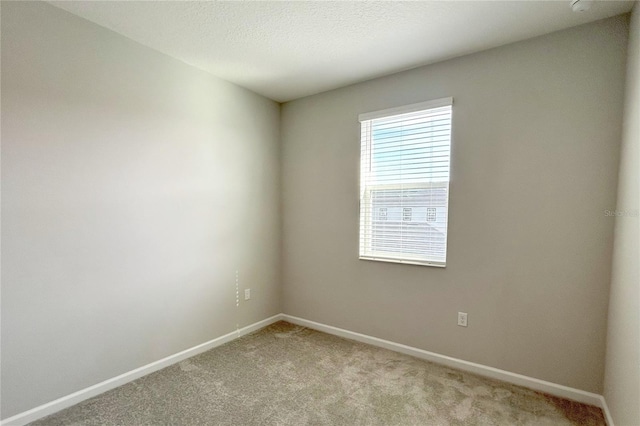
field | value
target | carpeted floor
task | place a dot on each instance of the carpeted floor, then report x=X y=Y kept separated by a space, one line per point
x=290 y=375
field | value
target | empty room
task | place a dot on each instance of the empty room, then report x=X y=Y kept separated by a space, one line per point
x=320 y=213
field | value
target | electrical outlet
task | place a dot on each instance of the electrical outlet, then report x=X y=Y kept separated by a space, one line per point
x=462 y=319
x=247 y=293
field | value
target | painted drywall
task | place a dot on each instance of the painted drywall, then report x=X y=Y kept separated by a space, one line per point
x=535 y=145
x=133 y=188
x=622 y=372
x=290 y=49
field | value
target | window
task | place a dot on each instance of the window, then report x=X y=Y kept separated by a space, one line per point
x=431 y=214
x=406 y=214
x=404 y=183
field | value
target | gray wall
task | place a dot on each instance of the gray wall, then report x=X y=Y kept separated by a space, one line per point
x=622 y=373
x=536 y=134
x=133 y=187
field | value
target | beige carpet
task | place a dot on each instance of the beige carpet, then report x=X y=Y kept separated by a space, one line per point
x=290 y=375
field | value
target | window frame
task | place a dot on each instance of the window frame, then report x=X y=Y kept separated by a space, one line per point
x=366 y=197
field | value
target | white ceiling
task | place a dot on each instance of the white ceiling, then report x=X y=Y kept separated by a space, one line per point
x=289 y=49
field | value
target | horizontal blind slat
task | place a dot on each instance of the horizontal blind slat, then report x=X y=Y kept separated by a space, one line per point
x=405 y=161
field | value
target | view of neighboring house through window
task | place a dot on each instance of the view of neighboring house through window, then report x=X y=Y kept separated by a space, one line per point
x=404 y=183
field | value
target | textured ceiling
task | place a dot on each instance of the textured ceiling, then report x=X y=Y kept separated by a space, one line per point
x=289 y=49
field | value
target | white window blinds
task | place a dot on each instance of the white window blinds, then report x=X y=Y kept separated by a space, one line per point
x=404 y=183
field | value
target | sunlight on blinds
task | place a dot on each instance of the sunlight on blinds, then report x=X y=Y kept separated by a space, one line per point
x=404 y=183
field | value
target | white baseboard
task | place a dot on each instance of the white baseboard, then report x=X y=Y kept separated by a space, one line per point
x=605 y=410
x=483 y=370
x=494 y=373
x=81 y=395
